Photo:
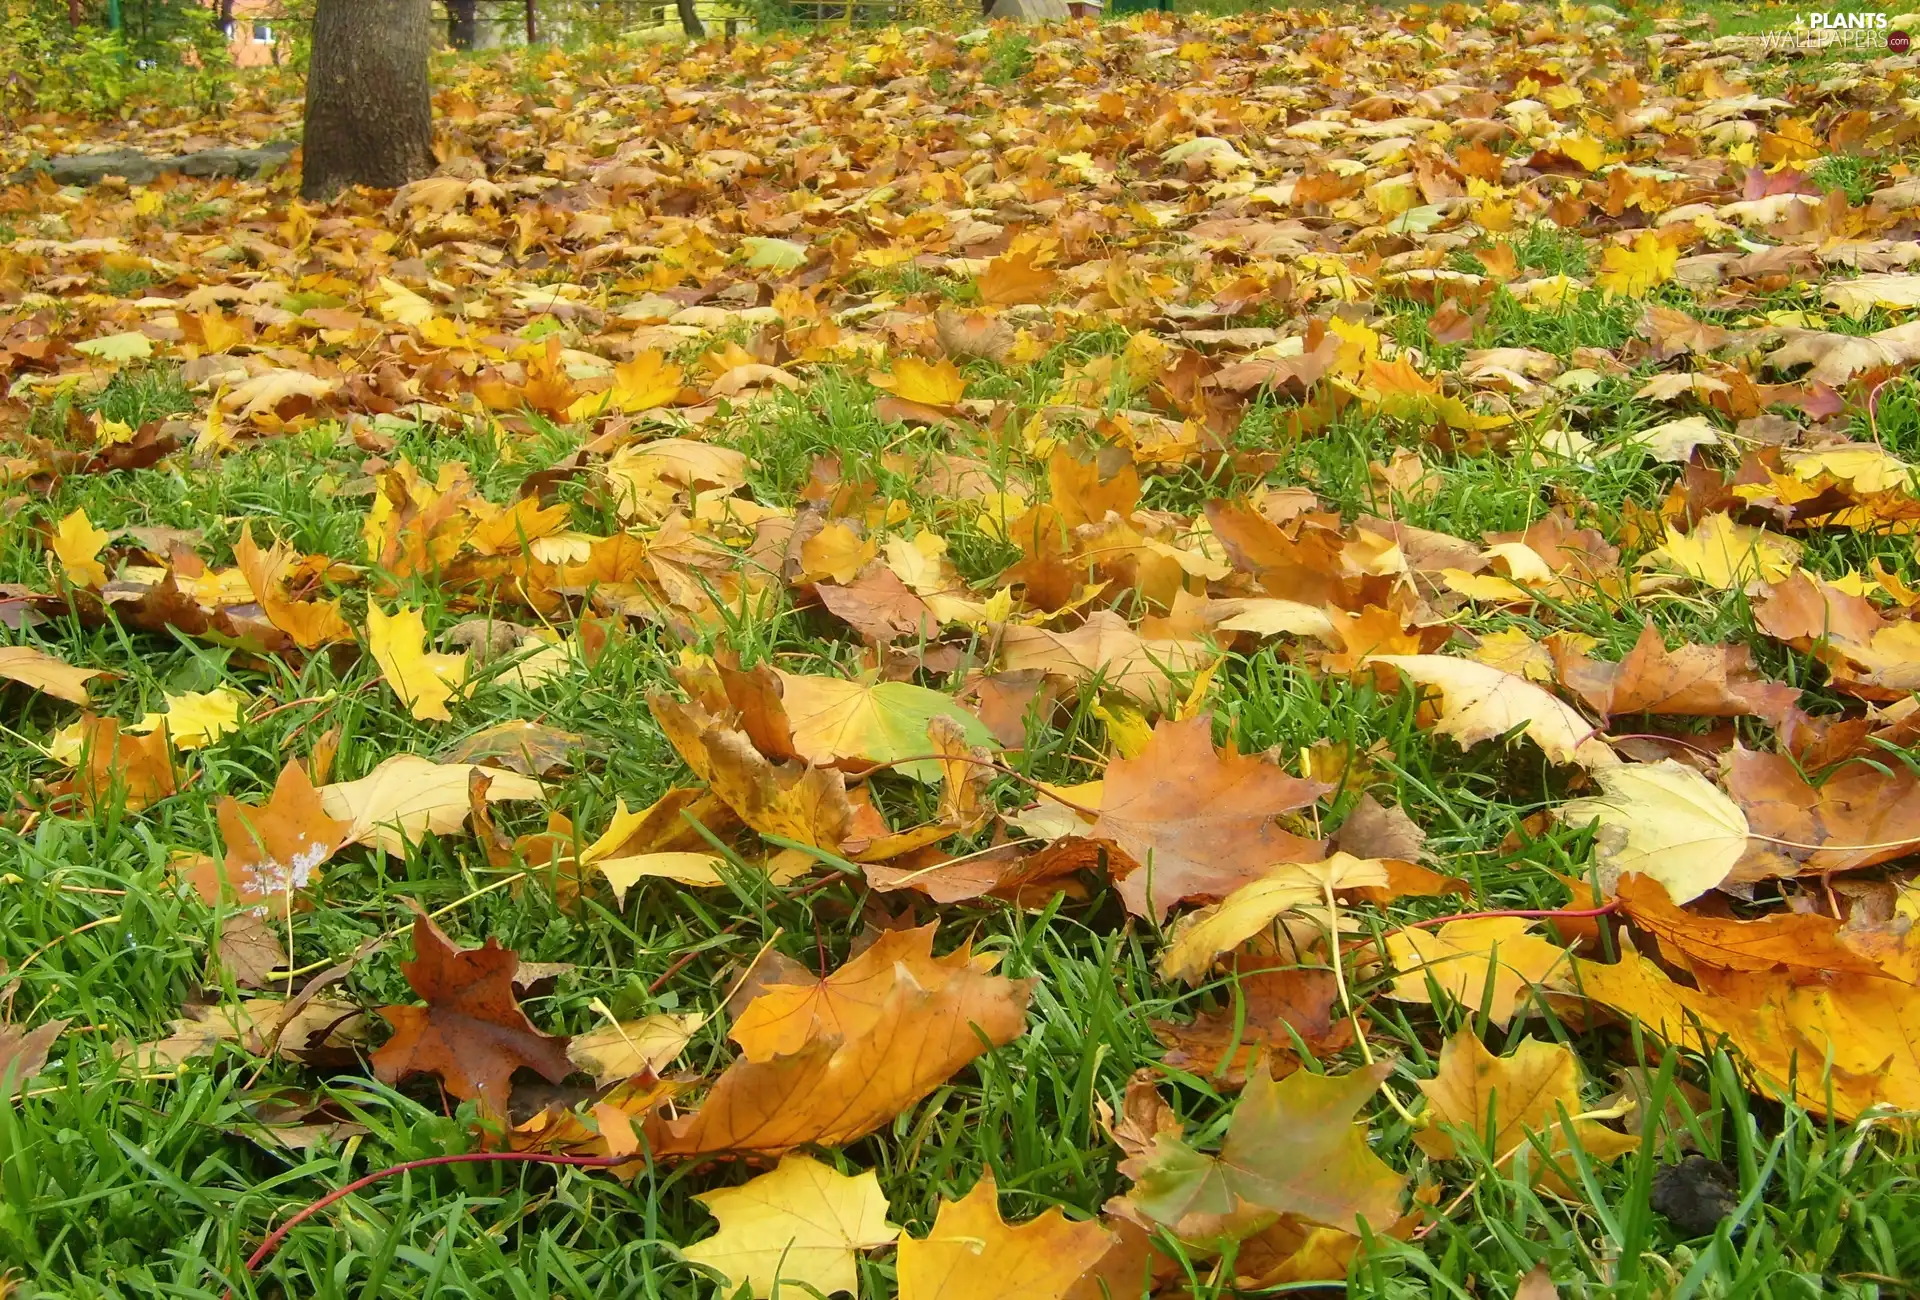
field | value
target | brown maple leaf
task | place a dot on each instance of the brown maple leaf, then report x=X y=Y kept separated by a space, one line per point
x=1799 y=941
x=472 y=1032
x=1859 y=815
x=902 y=1041
x=1716 y=681
x=789 y=800
x=1188 y=823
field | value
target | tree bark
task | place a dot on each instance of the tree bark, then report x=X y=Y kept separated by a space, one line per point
x=75 y=13
x=369 y=108
x=533 y=25
x=463 y=23
x=690 y=19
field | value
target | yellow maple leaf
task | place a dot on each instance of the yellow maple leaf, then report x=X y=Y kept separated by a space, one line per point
x=1509 y=1101
x=914 y=380
x=973 y=1254
x=1635 y=272
x=108 y=432
x=76 y=543
x=196 y=719
x=1492 y=957
x=1583 y=149
x=424 y=681
x=1721 y=554
x=796 y=1229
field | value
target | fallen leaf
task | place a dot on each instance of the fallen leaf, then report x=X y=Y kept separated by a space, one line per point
x=311 y=623
x=791 y=801
x=408 y=797
x=1188 y=822
x=1726 y=556
x=424 y=681
x=1277 y=1002
x=1857 y=816
x=847 y=1003
x=272 y=850
x=115 y=766
x=1837 y=1046
x=1795 y=941
x=23 y=1052
x=834 y=1090
x=76 y=544
x=1202 y=936
x=936 y=384
x=1106 y=650
x=472 y=1032
x=1488 y=962
x=1532 y=1093
x=835 y=720
x=1292 y=1148
x=1536 y=1284
x=1717 y=681
x=632 y=1047
x=1663 y=821
x=799 y=1227
x=196 y=719
x=971 y=1253
x=40 y=671
x=1481 y=703
x=1674 y=442
x=1013 y=279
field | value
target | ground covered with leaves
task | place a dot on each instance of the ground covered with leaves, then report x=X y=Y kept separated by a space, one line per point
x=1189 y=656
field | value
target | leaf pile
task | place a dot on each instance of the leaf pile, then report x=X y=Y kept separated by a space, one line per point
x=1517 y=385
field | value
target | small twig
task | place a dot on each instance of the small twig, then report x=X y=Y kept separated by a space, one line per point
x=1668 y=740
x=37 y=953
x=279 y=1234
x=396 y=932
x=687 y=958
x=1532 y=913
x=1001 y=768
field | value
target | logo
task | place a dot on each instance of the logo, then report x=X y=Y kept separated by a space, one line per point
x=1846 y=22
x=1899 y=42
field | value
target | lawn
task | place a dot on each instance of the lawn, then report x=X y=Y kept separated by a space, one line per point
x=1183 y=515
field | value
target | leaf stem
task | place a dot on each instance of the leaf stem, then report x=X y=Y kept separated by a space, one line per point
x=1532 y=913
x=279 y=1234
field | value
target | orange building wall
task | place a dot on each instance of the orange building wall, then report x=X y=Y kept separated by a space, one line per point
x=248 y=52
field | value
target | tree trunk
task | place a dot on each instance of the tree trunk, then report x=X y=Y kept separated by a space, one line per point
x=369 y=109
x=533 y=26
x=463 y=23
x=76 y=14
x=690 y=19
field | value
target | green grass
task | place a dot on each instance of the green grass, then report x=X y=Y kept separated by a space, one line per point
x=118 y=1183
x=114 y=1184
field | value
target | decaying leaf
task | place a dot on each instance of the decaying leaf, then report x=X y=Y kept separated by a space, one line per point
x=272 y=850
x=1292 y=1148
x=471 y=1032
